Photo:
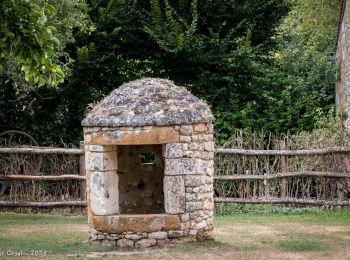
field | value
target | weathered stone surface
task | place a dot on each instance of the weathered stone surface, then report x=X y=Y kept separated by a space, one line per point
x=125 y=243
x=195 y=180
x=174 y=150
x=158 y=235
x=192 y=206
x=102 y=148
x=174 y=194
x=199 y=128
x=202 y=189
x=104 y=193
x=135 y=223
x=186 y=130
x=155 y=135
x=107 y=243
x=205 y=233
x=133 y=236
x=175 y=233
x=143 y=243
x=185 y=139
x=185 y=166
x=149 y=101
x=97 y=161
x=209 y=146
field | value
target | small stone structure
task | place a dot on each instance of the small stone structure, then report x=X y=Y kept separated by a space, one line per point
x=149 y=165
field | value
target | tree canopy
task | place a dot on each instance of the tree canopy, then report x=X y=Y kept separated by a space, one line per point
x=259 y=64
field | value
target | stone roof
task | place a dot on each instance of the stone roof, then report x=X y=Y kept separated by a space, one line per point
x=148 y=101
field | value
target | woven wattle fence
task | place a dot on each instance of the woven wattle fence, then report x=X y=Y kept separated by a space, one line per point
x=305 y=169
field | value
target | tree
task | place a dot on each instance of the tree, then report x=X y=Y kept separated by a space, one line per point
x=26 y=36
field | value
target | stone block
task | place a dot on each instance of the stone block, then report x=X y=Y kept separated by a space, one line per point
x=104 y=193
x=209 y=146
x=125 y=243
x=158 y=235
x=143 y=243
x=200 y=225
x=175 y=233
x=199 y=128
x=185 y=139
x=194 y=180
x=174 y=150
x=186 y=130
x=133 y=236
x=136 y=223
x=207 y=155
x=193 y=206
x=174 y=194
x=196 y=146
x=185 y=166
x=101 y=161
x=202 y=189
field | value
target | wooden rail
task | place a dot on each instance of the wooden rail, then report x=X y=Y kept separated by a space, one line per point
x=41 y=150
x=49 y=150
x=283 y=175
x=322 y=151
x=43 y=177
x=283 y=201
x=48 y=204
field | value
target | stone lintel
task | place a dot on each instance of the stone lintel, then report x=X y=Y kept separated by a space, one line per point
x=155 y=135
x=136 y=223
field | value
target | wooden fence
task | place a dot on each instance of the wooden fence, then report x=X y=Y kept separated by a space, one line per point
x=307 y=169
x=57 y=177
x=275 y=176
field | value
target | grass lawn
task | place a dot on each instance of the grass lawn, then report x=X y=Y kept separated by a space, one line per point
x=259 y=233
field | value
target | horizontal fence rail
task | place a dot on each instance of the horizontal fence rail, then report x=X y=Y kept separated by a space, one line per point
x=328 y=150
x=283 y=175
x=43 y=177
x=46 y=204
x=41 y=150
x=284 y=201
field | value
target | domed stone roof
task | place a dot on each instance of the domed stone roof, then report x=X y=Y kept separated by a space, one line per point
x=148 y=101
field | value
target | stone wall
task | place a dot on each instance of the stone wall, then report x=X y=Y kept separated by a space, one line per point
x=188 y=185
x=343 y=64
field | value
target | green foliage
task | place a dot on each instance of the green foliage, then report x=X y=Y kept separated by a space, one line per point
x=261 y=65
x=26 y=36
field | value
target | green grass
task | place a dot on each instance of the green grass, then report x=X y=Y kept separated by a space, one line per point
x=247 y=232
x=43 y=232
x=270 y=214
x=301 y=245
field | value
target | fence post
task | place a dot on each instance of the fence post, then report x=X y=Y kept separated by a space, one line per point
x=284 y=168
x=82 y=172
x=267 y=188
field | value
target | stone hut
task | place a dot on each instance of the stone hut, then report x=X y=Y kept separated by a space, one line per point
x=149 y=164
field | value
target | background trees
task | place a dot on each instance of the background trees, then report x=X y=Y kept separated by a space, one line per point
x=259 y=64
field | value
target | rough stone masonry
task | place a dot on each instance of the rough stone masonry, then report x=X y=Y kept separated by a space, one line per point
x=133 y=202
